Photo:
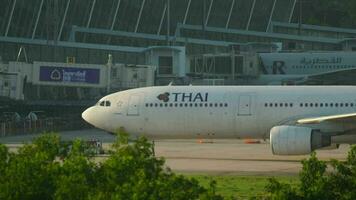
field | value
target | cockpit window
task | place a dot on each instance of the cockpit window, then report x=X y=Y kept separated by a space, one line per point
x=104 y=103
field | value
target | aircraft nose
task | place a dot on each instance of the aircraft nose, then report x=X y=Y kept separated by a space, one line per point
x=87 y=115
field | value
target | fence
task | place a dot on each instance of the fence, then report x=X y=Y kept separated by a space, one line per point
x=24 y=127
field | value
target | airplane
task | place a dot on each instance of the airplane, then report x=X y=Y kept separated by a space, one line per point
x=313 y=68
x=296 y=119
x=304 y=63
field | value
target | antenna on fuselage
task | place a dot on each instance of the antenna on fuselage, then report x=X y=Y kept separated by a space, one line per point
x=170 y=83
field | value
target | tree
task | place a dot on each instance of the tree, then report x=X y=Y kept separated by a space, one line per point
x=132 y=172
x=51 y=169
x=312 y=178
x=316 y=183
x=76 y=178
x=4 y=157
x=30 y=173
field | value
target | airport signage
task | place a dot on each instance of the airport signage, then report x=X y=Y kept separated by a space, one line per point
x=311 y=61
x=69 y=74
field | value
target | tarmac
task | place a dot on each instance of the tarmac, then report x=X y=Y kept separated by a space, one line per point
x=218 y=157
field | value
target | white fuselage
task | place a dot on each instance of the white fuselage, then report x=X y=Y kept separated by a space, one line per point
x=219 y=111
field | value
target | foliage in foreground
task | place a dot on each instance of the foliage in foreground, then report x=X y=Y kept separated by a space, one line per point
x=316 y=183
x=47 y=169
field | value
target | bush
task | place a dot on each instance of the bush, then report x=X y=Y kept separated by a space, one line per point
x=51 y=169
x=316 y=183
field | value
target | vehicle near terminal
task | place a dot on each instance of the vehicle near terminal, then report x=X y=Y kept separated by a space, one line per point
x=297 y=119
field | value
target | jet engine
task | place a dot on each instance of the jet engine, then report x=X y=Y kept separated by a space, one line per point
x=297 y=140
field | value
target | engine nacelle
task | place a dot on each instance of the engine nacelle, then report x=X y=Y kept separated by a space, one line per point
x=296 y=140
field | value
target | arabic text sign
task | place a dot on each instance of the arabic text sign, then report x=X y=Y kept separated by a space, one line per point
x=311 y=61
x=69 y=75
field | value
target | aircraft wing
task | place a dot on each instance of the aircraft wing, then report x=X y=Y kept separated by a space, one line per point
x=331 y=118
x=343 y=76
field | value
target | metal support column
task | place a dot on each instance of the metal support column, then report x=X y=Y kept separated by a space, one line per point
x=233 y=63
x=37 y=19
x=292 y=11
x=91 y=13
x=251 y=13
x=162 y=18
x=114 y=19
x=10 y=18
x=300 y=19
x=115 y=15
x=139 y=15
x=186 y=12
x=271 y=15
x=230 y=13
x=208 y=15
x=63 y=20
x=168 y=21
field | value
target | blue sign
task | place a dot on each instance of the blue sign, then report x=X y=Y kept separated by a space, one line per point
x=69 y=75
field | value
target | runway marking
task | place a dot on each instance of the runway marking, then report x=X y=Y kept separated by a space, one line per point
x=230 y=159
x=227 y=159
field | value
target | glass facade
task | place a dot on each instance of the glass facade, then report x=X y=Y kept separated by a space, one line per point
x=53 y=20
x=50 y=18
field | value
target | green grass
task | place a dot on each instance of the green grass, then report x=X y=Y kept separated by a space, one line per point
x=243 y=187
